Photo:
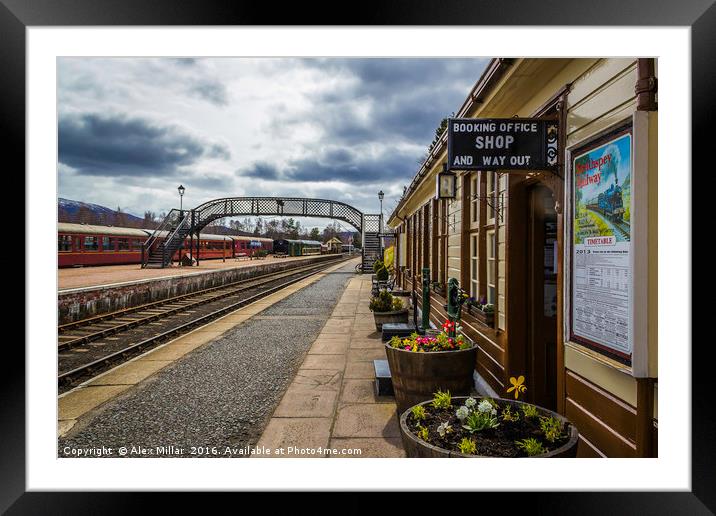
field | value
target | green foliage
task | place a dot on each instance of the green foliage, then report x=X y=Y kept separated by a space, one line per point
x=530 y=411
x=418 y=412
x=531 y=446
x=385 y=302
x=378 y=264
x=423 y=433
x=508 y=415
x=477 y=421
x=442 y=399
x=467 y=446
x=551 y=427
x=381 y=274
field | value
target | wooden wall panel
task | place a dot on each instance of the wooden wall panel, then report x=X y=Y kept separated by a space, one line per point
x=608 y=423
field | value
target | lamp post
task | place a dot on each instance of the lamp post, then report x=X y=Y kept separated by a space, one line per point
x=380 y=197
x=181 y=195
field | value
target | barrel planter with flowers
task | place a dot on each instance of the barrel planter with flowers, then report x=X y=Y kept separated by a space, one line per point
x=387 y=308
x=422 y=365
x=464 y=427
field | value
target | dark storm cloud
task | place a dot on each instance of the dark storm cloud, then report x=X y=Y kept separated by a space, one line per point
x=260 y=170
x=407 y=97
x=389 y=168
x=212 y=91
x=117 y=145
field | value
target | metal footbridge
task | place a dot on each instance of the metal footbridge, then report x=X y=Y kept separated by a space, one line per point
x=182 y=225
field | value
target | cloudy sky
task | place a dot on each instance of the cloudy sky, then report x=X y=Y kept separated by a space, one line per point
x=131 y=130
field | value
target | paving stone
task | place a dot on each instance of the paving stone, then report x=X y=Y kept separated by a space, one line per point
x=80 y=401
x=295 y=432
x=65 y=426
x=362 y=355
x=317 y=379
x=329 y=347
x=131 y=373
x=367 y=420
x=370 y=447
x=305 y=403
x=362 y=391
x=169 y=352
x=359 y=370
x=335 y=325
x=324 y=362
x=367 y=344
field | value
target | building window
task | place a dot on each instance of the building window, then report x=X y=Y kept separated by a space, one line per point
x=91 y=243
x=64 y=243
x=490 y=196
x=474 y=203
x=491 y=269
x=474 y=270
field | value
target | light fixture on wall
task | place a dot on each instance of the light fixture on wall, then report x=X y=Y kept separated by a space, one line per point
x=446 y=185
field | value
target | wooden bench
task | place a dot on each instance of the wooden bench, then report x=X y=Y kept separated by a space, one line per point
x=243 y=256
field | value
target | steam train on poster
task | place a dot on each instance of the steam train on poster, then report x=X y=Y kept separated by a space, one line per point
x=84 y=244
x=609 y=203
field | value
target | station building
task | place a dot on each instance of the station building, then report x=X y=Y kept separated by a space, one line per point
x=507 y=236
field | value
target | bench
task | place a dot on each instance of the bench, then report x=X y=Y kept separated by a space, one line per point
x=242 y=256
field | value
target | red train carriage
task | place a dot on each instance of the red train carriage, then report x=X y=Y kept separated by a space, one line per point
x=83 y=244
x=247 y=246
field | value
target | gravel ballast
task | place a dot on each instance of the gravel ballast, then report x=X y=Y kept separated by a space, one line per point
x=215 y=401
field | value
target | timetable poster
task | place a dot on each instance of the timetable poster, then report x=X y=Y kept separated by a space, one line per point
x=601 y=270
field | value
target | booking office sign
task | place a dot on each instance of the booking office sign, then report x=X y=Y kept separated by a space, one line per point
x=601 y=251
x=505 y=144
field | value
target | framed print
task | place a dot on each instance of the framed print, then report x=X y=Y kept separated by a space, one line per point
x=186 y=142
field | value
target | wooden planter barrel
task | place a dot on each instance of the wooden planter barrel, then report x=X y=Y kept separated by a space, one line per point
x=381 y=318
x=416 y=447
x=417 y=376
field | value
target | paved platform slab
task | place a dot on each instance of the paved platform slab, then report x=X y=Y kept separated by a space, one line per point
x=333 y=392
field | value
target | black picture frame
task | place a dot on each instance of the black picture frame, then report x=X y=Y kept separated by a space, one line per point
x=17 y=15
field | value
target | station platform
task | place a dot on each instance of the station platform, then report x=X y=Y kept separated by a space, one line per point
x=292 y=371
x=83 y=277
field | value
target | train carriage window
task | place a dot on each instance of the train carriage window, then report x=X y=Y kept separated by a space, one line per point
x=123 y=244
x=107 y=244
x=91 y=243
x=64 y=243
x=136 y=245
x=78 y=243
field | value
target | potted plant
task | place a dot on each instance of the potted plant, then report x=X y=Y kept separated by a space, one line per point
x=422 y=365
x=482 y=311
x=439 y=288
x=387 y=308
x=464 y=426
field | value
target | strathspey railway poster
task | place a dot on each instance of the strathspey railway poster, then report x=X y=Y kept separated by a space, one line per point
x=601 y=252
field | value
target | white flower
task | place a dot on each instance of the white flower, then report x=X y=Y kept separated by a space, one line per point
x=462 y=413
x=485 y=406
x=470 y=402
x=444 y=428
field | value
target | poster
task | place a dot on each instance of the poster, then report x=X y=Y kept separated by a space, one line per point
x=601 y=259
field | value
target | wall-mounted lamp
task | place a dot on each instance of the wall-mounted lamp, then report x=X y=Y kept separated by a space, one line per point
x=446 y=186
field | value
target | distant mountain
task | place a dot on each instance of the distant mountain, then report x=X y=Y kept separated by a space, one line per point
x=89 y=213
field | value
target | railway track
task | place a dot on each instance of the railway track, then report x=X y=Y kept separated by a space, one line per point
x=622 y=227
x=87 y=348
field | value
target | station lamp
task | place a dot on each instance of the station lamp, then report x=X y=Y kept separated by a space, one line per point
x=446 y=184
x=380 y=198
x=181 y=195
